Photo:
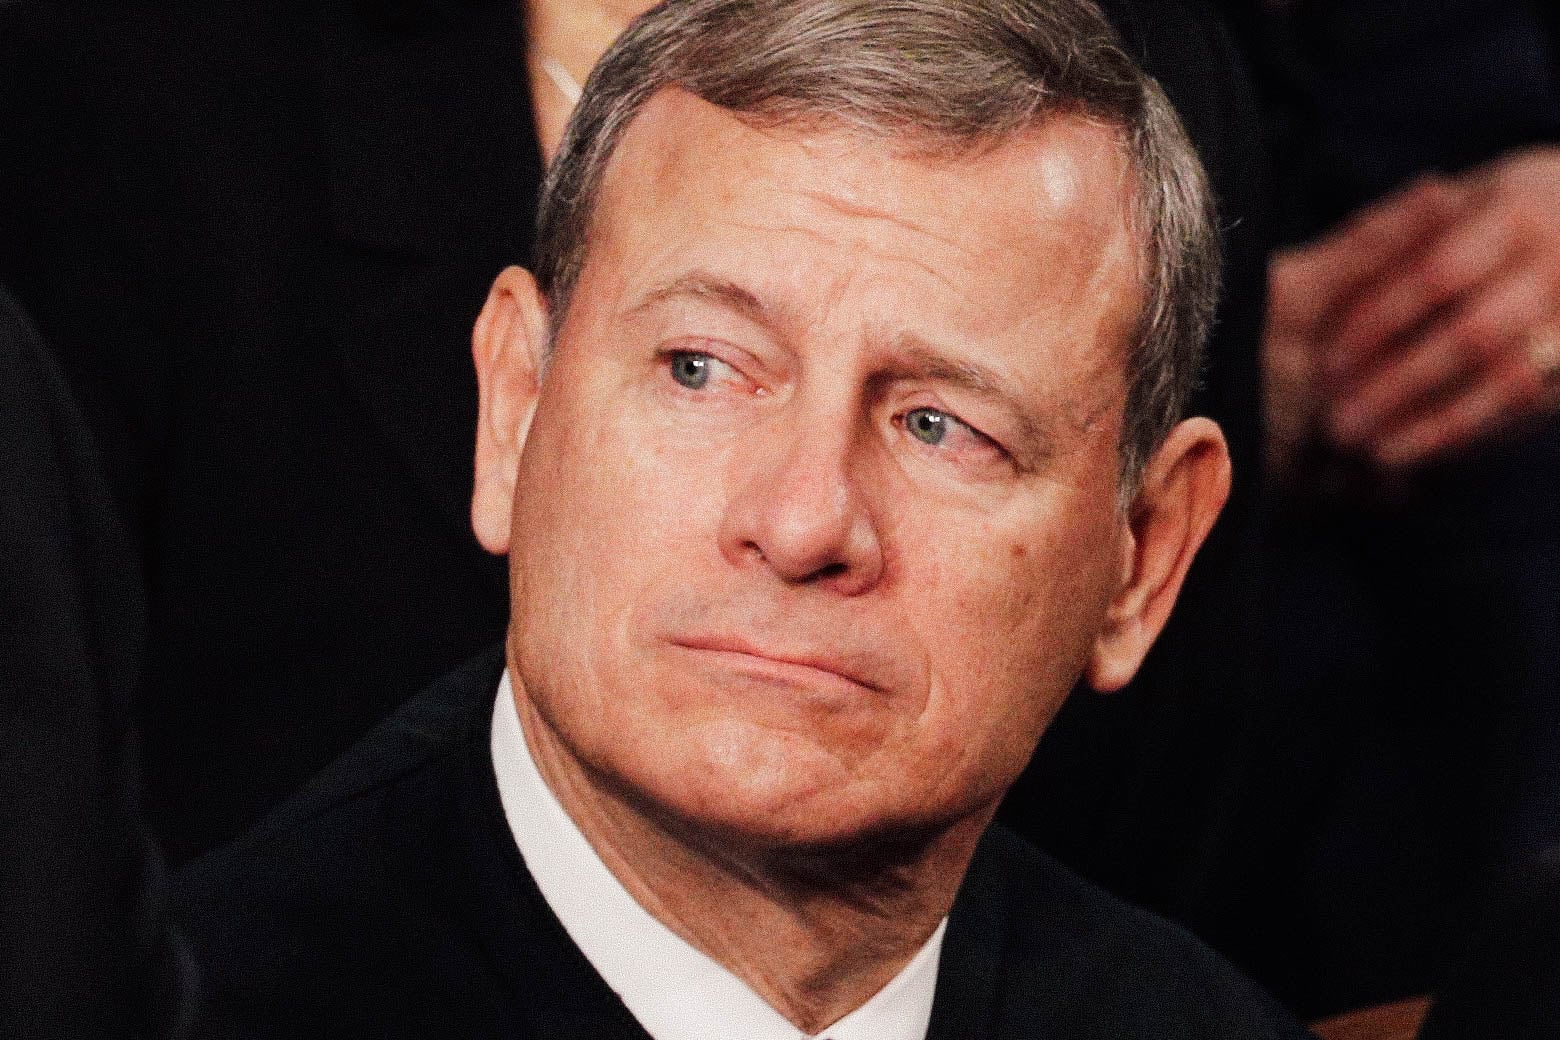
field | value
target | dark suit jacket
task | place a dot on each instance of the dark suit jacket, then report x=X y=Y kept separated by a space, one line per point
x=259 y=233
x=389 y=900
x=1505 y=980
x=84 y=948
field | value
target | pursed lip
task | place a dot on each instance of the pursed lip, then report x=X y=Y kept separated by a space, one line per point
x=783 y=662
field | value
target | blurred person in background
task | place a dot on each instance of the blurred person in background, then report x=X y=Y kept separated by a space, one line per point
x=1413 y=374
x=85 y=947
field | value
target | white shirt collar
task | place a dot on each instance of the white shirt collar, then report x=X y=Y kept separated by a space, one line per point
x=675 y=991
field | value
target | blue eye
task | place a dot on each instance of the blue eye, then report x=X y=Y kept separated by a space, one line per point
x=691 y=370
x=928 y=425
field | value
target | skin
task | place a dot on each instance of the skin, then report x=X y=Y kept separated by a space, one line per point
x=778 y=657
x=1404 y=335
x=574 y=33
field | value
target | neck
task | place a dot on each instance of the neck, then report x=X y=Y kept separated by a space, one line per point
x=815 y=933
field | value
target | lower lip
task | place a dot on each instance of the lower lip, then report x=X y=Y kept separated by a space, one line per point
x=783 y=673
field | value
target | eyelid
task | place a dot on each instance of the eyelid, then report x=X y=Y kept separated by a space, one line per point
x=954 y=417
x=974 y=430
x=741 y=362
x=722 y=374
x=714 y=359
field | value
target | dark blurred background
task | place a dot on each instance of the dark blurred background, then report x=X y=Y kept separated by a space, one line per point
x=246 y=242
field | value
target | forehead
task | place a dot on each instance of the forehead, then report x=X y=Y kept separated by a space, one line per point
x=1030 y=233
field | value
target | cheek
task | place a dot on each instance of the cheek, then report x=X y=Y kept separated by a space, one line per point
x=610 y=472
x=1006 y=622
x=614 y=506
x=983 y=589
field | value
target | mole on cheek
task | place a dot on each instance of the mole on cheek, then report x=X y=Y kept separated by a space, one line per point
x=1019 y=550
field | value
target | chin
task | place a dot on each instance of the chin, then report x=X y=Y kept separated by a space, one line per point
x=748 y=786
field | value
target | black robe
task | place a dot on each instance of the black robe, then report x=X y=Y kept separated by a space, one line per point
x=389 y=900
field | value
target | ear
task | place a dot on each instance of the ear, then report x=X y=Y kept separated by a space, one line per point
x=508 y=344
x=1184 y=486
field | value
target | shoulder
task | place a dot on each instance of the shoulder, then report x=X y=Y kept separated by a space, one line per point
x=404 y=753
x=359 y=883
x=447 y=717
x=1076 y=961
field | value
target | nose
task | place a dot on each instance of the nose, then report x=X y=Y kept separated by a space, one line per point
x=802 y=510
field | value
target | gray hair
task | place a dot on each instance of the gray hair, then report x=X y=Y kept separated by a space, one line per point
x=949 y=75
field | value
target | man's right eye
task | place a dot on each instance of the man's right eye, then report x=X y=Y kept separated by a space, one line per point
x=696 y=370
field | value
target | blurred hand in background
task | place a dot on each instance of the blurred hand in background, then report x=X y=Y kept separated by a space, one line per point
x=1426 y=324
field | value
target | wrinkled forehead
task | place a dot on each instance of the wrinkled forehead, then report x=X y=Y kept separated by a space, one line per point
x=1038 y=222
x=1064 y=167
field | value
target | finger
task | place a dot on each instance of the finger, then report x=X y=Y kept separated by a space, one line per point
x=1400 y=390
x=1295 y=298
x=1289 y=400
x=1467 y=255
x=1381 y=235
x=1513 y=392
x=1479 y=334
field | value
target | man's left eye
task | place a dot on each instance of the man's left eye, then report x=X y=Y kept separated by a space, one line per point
x=933 y=426
x=695 y=370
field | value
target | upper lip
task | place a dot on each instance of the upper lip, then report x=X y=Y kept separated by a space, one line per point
x=836 y=664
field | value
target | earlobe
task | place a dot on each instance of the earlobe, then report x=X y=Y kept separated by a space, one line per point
x=1183 y=489
x=508 y=346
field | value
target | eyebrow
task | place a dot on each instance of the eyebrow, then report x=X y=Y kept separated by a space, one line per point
x=913 y=358
x=703 y=286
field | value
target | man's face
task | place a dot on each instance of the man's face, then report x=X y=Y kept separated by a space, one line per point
x=816 y=518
